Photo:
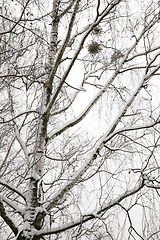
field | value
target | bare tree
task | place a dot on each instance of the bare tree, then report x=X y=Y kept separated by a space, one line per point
x=79 y=119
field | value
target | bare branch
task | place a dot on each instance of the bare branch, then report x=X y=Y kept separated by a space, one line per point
x=11 y=29
x=18 y=115
x=13 y=188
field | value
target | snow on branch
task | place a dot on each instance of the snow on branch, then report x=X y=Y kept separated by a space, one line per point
x=13 y=205
x=91 y=215
x=67 y=9
x=152 y=185
x=22 y=144
x=101 y=143
x=7 y=218
x=82 y=115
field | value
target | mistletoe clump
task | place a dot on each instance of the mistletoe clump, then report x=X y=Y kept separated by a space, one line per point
x=94 y=47
x=97 y=31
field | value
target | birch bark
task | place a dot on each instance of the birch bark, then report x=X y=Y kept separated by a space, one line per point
x=33 y=218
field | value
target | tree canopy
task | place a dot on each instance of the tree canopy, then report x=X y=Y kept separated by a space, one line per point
x=79 y=119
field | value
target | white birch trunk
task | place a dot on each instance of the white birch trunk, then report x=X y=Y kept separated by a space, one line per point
x=32 y=221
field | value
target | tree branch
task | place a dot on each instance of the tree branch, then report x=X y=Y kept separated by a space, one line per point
x=22 y=144
x=76 y=120
x=13 y=188
x=13 y=205
x=89 y=216
x=6 y=218
x=18 y=115
x=11 y=29
x=101 y=143
x=58 y=59
x=95 y=23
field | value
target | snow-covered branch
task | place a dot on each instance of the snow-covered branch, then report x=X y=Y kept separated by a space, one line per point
x=67 y=9
x=7 y=218
x=22 y=144
x=82 y=115
x=152 y=185
x=13 y=205
x=101 y=143
x=91 y=215
x=47 y=59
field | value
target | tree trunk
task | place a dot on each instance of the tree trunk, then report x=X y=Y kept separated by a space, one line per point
x=34 y=217
x=32 y=208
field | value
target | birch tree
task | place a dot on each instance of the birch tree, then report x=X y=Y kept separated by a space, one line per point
x=79 y=119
